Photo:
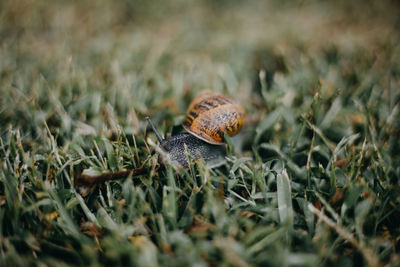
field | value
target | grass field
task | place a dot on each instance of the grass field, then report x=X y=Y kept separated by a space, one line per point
x=312 y=180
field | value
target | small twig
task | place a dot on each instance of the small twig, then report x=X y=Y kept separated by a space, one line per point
x=367 y=252
x=89 y=180
x=310 y=151
x=318 y=131
x=309 y=160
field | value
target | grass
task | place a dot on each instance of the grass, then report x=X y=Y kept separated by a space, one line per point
x=313 y=179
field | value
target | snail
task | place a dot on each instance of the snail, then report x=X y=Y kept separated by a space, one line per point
x=209 y=116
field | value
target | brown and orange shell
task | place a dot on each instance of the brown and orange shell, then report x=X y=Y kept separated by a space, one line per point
x=210 y=115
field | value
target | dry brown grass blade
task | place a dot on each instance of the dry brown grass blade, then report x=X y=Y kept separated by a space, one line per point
x=88 y=180
x=367 y=252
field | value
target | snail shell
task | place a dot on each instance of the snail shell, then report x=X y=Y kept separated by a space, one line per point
x=210 y=115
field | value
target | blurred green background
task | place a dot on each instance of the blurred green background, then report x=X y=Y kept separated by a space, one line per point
x=94 y=52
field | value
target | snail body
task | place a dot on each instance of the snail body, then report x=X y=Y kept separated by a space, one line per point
x=178 y=145
x=210 y=115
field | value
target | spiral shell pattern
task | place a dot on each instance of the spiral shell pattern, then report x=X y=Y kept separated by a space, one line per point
x=210 y=115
